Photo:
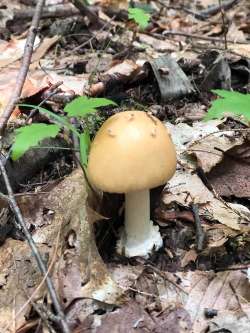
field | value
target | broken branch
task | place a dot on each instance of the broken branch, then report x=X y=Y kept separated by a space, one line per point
x=28 y=49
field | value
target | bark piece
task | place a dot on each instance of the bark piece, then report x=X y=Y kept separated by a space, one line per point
x=172 y=81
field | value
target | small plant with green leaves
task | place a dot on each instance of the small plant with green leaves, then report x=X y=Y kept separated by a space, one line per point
x=231 y=103
x=31 y=135
x=140 y=16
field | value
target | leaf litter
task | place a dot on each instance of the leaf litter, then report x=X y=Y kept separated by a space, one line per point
x=180 y=289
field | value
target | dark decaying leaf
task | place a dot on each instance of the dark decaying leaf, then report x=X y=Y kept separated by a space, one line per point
x=172 y=81
x=219 y=76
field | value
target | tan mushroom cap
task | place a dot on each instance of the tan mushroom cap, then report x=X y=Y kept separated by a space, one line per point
x=132 y=151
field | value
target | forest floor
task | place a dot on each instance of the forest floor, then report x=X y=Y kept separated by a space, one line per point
x=199 y=280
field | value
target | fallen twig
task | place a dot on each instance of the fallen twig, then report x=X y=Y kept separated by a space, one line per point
x=86 y=11
x=225 y=26
x=194 y=36
x=24 y=66
x=197 y=15
x=35 y=251
x=200 y=235
x=203 y=14
x=233 y=268
x=212 y=10
x=51 y=91
x=166 y=276
x=56 y=11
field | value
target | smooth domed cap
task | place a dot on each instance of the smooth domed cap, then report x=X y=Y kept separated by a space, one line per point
x=132 y=151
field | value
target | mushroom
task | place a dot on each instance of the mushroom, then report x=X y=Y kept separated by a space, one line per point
x=131 y=153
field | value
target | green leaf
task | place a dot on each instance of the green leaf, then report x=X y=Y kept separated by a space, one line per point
x=84 y=147
x=231 y=103
x=226 y=93
x=30 y=136
x=60 y=120
x=83 y=105
x=139 y=16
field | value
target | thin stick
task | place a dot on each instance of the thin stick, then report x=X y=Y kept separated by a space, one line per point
x=35 y=251
x=212 y=10
x=184 y=34
x=28 y=49
x=52 y=11
x=197 y=15
x=86 y=11
x=233 y=268
x=51 y=91
x=203 y=14
x=167 y=276
x=200 y=235
x=225 y=26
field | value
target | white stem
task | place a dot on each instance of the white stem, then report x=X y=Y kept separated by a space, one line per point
x=137 y=215
x=140 y=235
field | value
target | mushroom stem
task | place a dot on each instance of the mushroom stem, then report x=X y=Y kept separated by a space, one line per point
x=137 y=215
x=140 y=235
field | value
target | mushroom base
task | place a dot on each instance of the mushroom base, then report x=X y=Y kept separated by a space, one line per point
x=139 y=235
x=133 y=248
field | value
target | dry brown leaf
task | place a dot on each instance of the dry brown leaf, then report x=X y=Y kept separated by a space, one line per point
x=76 y=84
x=115 y=4
x=157 y=44
x=80 y=271
x=190 y=255
x=213 y=291
x=235 y=34
x=7 y=84
x=186 y=188
x=229 y=322
x=19 y=278
x=218 y=234
x=125 y=275
x=36 y=81
x=42 y=49
x=129 y=318
x=215 y=30
x=227 y=292
x=184 y=136
x=209 y=151
x=12 y=51
x=206 y=3
x=241 y=49
x=231 y=176
x=120 y=73
x=207 y=290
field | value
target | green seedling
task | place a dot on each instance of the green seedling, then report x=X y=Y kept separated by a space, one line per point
x=231 y=103
x=31 y=135
x=140 y=16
